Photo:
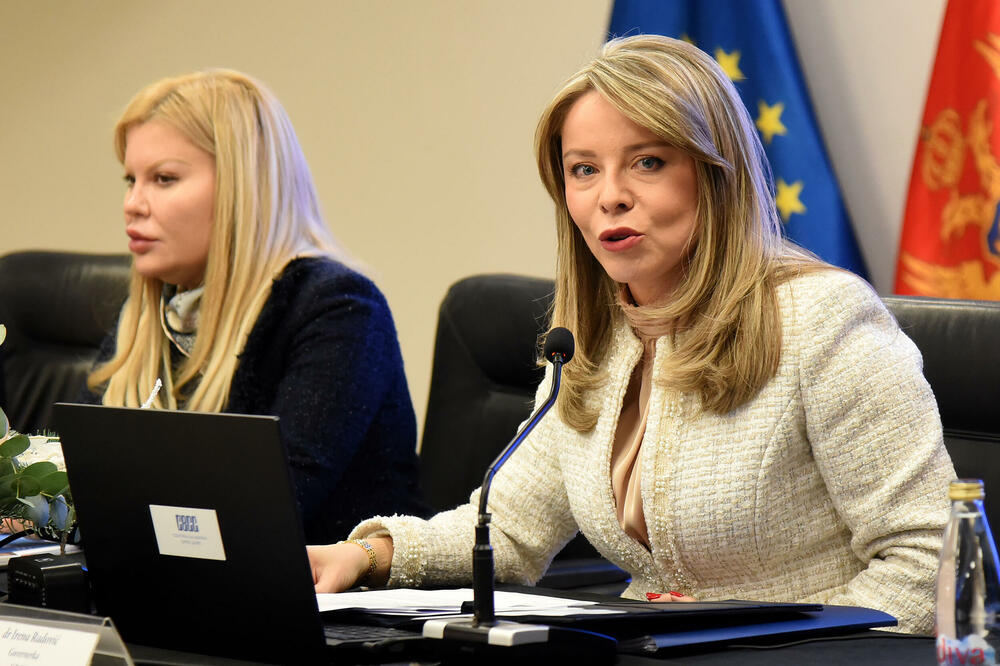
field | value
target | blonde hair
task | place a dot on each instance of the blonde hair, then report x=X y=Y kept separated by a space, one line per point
x=724 y=312
x=266 y=213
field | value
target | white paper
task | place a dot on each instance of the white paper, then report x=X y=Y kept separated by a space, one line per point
x=31 y=645
x=31 y=546
x=187 y=532
x=435 y=603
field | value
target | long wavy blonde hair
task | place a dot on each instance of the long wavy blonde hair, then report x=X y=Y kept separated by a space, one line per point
x=724 y=312
x=266 y=213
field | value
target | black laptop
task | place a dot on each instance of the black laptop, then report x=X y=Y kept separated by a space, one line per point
x=192 y=532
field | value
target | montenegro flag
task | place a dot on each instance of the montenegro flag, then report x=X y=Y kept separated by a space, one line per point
x=950 y=243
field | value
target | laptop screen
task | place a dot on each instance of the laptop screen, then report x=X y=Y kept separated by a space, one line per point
x=191 y=530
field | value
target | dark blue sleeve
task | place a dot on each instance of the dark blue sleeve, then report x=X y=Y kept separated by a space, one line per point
x=325 y=359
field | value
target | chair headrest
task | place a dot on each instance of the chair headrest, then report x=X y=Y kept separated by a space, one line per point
x=57 y=307
x=60 y=297
x=494 y=319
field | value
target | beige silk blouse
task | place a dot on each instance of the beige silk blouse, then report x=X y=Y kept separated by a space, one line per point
x=626 y=480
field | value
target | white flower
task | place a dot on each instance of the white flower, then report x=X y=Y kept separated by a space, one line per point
x=43 y=448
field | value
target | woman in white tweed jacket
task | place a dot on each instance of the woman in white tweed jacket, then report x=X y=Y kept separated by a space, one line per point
x=739 y=420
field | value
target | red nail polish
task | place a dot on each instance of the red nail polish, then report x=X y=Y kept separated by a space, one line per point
x=675 y=594
x=650 y=596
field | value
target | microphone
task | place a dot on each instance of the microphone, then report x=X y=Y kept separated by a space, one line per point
x=559 y=342
x=484 y=631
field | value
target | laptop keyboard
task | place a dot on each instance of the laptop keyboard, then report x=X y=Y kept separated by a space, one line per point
x=347 y=634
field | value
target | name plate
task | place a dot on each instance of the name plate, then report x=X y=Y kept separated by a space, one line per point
x=32 y=645
x=187 y=532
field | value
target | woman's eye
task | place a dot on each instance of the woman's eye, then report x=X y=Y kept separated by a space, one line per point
x=164 y=179
x=129 y=180
x=581 y=170
x=650 y=163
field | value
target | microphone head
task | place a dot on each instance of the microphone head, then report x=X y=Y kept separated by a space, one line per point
x=559 y=341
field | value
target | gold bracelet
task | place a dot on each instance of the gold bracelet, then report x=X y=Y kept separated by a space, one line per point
x=372 y=560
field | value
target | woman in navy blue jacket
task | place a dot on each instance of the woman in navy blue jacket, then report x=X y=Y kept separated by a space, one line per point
x=241 y=301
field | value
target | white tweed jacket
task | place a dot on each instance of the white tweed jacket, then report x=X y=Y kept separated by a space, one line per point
x=829 y=486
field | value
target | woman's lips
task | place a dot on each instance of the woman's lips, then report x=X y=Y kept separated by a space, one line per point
x=138 y=244
x=619 y=240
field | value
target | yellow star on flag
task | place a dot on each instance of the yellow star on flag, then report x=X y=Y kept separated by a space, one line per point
x=769 y=120
x=787 y=199
x=730 y=64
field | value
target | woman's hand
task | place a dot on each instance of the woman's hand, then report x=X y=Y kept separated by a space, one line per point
x=341 y=566
x=12 y=526
x=667 y=597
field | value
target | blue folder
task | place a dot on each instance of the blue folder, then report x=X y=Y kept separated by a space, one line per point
x=830 y=620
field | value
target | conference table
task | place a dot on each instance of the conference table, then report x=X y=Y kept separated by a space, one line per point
x=859 y=649
x=856 y=649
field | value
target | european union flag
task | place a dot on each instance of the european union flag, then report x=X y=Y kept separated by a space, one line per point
x=750 y=40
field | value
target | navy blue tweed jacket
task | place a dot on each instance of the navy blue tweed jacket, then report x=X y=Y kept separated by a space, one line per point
x=323 y=356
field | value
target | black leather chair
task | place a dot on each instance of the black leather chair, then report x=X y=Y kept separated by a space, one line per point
x=57 y=307
x=483 y=380
x=960 y=343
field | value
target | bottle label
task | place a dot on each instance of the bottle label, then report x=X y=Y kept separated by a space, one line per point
x=971 y=651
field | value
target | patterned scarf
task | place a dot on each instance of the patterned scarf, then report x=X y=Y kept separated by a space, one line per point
x=179 y=316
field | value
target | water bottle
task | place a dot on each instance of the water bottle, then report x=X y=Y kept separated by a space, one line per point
x=968 y=584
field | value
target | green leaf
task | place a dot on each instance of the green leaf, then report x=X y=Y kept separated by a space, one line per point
x=4 y=424
x=7 y=486
x=14 y=446
x=26 y=486
x=39 y=469
x=55 y=483
x=6 y=467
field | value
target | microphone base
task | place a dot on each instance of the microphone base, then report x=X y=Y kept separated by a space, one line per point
x=462 y=639
x=505 y=634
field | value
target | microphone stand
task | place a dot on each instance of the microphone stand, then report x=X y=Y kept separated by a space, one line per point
x=484 y=635
x=482 y=552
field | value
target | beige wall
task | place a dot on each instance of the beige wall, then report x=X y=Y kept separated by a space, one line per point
x=416 y=118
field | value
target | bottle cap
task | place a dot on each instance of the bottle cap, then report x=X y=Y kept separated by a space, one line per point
x=965 y=490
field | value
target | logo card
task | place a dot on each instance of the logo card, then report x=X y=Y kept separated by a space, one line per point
x=187 y=532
